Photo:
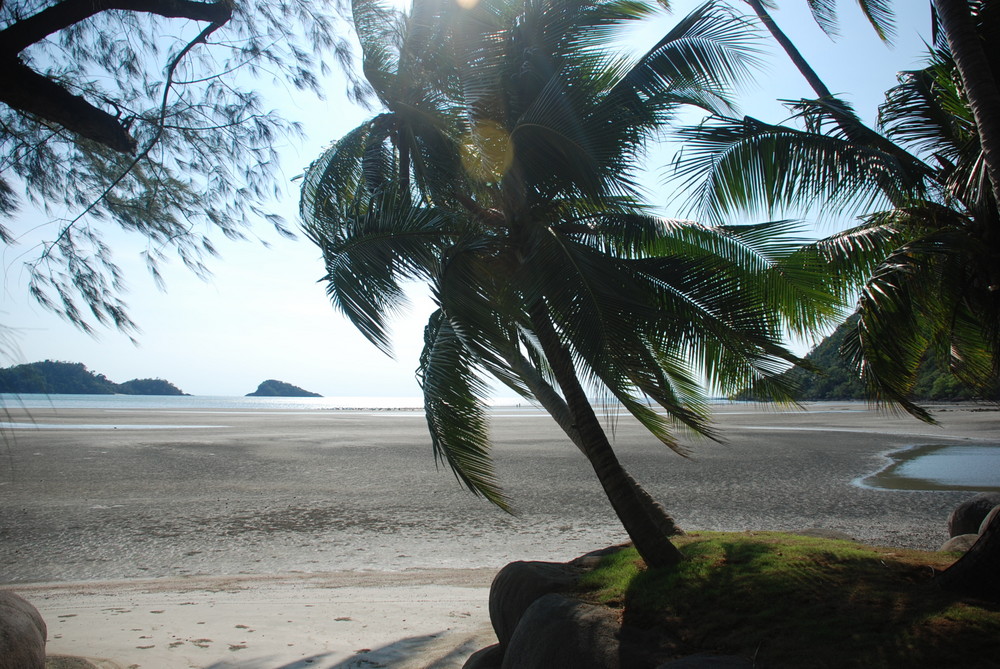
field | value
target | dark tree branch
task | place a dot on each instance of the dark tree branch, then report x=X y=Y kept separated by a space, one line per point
x=20 y=35
x=25 y=90
x=171 y=68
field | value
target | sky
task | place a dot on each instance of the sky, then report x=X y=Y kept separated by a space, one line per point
x=264 y=315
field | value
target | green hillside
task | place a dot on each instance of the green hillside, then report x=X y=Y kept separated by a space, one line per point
x=835 y=380
x=73 y=378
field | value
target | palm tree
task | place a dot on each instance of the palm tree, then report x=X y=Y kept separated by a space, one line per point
x=924 y=262
x=924 y=259
x=879 y=15
x=502 y=173
x=969 y=25
x=966 y=25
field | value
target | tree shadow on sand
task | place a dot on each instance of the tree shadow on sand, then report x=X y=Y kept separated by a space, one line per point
x=394 y=654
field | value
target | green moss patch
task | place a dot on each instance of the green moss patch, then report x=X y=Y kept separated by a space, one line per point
x=794 y=601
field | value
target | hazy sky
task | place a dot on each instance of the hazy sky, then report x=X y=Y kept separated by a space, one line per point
x=263 y=315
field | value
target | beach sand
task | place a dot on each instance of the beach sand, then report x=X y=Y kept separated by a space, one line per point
x=347 y=619
x=203 y=538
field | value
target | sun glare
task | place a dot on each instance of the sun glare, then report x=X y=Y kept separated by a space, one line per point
x=487 y=151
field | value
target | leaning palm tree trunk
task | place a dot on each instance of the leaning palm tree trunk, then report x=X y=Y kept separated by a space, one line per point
x=796 y=57
x=643 y=519
x=556 y=406
x=978 y=80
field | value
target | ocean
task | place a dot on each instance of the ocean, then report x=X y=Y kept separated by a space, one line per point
x=917 y=467
x=160 y=402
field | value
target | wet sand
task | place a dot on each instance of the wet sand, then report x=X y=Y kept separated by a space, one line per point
x=123 y=495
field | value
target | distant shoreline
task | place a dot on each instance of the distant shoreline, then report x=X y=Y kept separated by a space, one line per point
x=365 y=402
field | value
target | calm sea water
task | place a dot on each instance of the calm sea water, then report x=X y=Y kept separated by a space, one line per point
x=941 y=467
x=934 y=467
x=501 y=406
x=159 y=402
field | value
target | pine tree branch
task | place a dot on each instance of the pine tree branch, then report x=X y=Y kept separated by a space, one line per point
x=171 y=68
x=25 y=90
x=22 y=34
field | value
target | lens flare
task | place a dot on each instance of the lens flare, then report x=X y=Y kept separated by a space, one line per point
x=487 y=151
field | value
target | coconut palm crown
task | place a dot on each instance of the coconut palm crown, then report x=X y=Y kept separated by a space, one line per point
x=503 y=173
x=924 y=261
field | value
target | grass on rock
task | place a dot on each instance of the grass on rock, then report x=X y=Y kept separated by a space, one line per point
x=795 y=601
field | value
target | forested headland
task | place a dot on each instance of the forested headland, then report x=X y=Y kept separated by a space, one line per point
x=834 y=378
x=73 y=378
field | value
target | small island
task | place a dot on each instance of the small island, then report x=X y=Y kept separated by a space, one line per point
x=273 y=388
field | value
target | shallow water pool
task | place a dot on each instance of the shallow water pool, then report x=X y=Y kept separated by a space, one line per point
x=940 y=467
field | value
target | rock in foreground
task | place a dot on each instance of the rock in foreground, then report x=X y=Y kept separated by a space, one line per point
x=22 y=634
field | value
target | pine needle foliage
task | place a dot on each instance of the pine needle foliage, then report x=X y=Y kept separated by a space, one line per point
x=145 y=117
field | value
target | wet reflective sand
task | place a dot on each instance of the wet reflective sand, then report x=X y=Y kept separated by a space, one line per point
x=200 y=492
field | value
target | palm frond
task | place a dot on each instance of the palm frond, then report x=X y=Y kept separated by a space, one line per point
x=642 y=325
x=564 y=137
x=455 y=408
x=880 y=16
x=888 y=364
x=378 y=28
x=926 y=111
x=734 y=166
x=711 y=48
x=372 y=246
x=335 y=176
x=824 y=12
x=917 y=301
x=597 y=23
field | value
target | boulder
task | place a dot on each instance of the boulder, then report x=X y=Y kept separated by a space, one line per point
x=962 y=542
x=590 y=560
x=989 y=519
x=22 y=634
x=490 y=657
x=518 y=585
x=969 y=515
x=560 y=632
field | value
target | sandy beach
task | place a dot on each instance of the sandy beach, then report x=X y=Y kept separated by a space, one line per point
x=408 y=620
x=204 y=538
